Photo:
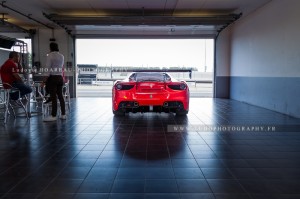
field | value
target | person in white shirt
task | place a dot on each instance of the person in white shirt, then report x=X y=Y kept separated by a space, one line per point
x=54 y=79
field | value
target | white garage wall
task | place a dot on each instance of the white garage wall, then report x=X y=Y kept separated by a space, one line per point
x=42 y=41
x=265 y=58
x=222 y=70
x=3 y=56
x=66 y=47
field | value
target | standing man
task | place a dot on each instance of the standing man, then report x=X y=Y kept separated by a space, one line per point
x=54 y=79
x=10 y=75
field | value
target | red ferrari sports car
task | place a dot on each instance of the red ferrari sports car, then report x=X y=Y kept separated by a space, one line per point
x=150 y=92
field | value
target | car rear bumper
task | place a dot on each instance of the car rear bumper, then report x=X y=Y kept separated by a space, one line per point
x=168 y=106
x=145 y=102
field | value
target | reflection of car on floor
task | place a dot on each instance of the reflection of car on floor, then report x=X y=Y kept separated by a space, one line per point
x=150 y=92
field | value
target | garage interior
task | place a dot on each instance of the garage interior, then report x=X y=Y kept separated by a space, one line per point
x=242 y=143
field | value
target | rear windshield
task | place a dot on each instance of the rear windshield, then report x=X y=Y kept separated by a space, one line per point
x=149 y=76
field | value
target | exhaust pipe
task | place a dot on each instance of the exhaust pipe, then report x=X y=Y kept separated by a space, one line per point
x=135 y=104
x=166 y=104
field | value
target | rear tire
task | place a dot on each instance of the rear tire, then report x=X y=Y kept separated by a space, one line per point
x=182 y=113
x=118 y=113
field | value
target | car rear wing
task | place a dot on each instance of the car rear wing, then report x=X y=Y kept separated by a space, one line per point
x=154 y=70
x=150 y=70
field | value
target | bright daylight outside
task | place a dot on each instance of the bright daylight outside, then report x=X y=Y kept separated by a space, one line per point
x=102 y=61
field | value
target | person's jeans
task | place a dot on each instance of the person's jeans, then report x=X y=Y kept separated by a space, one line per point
x=23 y=88
x=55 y=85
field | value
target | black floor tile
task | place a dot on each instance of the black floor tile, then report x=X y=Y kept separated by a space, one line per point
x=31 y=185
x=56 y=196
x=126 y=196
x=159 y=173
x=23 y=196
x=63 y=186
x=8 y=184
x=102 y=173
x=161 y=163
x=95 y=186
x=188 y=173
x=74 y=173
x=161 y=186
x=256 y=186
x=184 y=163
x=16 y=172
x=210 y=163
x=235 y=163
x=197 y=196
x=225 y=186
x=268 y=196
x=129 y=163
x=216 y=173
x=161 y=196
x=245 y=173
x=107 y=163
x=96 y=155
x=78 y=162
x=193 y=186
x=91 y=196
x=131 y=173
x=232 y=196
x=128 y=186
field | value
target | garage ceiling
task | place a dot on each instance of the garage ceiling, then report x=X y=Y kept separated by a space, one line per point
x=130 y=18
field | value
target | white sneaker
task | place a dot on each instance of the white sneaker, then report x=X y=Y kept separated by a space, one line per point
x=49 y=119
x=63 y=117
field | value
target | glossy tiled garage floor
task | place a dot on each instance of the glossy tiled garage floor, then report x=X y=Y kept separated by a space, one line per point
x=96 y=155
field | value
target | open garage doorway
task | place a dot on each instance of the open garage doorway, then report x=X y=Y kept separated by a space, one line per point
x=101 y=61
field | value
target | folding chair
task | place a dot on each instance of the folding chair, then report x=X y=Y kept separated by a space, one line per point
x=4 y=103
x=46 y=107
x=66 y=94
x=9 y=90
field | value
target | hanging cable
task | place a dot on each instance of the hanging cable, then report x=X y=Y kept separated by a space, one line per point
x=28 y=16
x=68 y=31
x=6 y=23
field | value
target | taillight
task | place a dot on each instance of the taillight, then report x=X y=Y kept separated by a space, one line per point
x=180 y=86
x=119 y=86
x=123 y=86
